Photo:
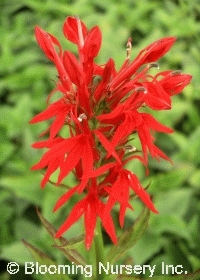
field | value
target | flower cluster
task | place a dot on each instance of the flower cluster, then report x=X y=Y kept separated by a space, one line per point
x=100 y=109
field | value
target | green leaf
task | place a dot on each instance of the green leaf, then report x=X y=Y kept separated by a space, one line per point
x=195 y=179
x=62 y=243
x=149 y=244
x=4 y=276
x=173 y=179
x=169 y=223
x=172 y=202
x=129 y=237
x=6 y=149
x=15 y=252
x=24 y=186
x=176 y=252
x=31 y=228
x=73 y=242
x=7 y=213
x=43 y=259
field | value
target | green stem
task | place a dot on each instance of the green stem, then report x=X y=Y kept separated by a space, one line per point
x=99 y=251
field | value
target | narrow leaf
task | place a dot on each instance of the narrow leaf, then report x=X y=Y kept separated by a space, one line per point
x=73 y=242
x=71 y=254
x=129 y=237
x=43 y=259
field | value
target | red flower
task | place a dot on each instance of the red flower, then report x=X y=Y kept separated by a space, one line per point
x=91 y=207
x=99 y=110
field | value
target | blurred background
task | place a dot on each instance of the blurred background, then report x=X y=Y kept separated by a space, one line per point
x=27 y=77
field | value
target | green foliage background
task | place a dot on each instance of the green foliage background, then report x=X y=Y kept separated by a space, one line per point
x=26 y=78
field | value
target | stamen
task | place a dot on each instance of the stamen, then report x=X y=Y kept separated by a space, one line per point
x=153 y=64
x=176 y=73
x=129 y=48
x=80 y=33
x=130 y=148
x=141 y=89
x=82 y=117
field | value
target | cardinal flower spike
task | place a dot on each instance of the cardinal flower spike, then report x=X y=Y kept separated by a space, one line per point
x=99 y=110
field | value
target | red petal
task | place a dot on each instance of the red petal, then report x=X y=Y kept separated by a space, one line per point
x=139 y=158
x=107 y=73
x=108 y=224
x=74 y=215
x=90 y=222
x=143 y=195
x=116 y=113
x=159 y=153
x=150 y=54
x=99 y=171
x=73 y=68
x=82 y=185
x=70 y=29
x=146 y=141
x=92 y=43
x=64 y=198
x=53 y=110
x=57 y=125
x=53 y=166
x=156 y=98
x=57 y=150
x=119 y=192
x=122 y=213
x=70 y=162
x=157 y=49
x=154 y=124
x=107 y=145
x=174 y=84
x=87 y=158
x=128 y=125
x=40 y=144
x=45 y=42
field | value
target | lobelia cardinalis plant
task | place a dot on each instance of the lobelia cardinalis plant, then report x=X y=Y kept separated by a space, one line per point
x=100 y=109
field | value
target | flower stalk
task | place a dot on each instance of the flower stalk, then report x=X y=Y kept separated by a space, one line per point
x=99 y=251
